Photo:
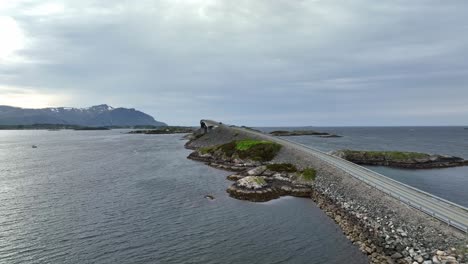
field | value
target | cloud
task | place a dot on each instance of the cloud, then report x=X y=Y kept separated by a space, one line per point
x=13 y=39
x=29 y=98
x=266 y=62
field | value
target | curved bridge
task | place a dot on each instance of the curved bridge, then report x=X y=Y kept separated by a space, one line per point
x=448 y=212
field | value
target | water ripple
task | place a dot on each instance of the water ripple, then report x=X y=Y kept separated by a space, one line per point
x=108 y=197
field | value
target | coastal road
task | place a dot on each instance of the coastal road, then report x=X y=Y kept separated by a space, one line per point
x=448 y=212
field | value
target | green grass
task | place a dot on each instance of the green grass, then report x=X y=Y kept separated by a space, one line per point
x=308 y=174
x=258 y=150
x=396 y=155
x=249 y=143
x=282 y=167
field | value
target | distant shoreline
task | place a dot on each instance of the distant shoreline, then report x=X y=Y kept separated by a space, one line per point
x=70 y=127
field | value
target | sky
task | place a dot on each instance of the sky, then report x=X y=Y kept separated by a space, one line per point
x=244 y=62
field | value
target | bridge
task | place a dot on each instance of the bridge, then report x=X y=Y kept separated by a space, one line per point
x=448 y=212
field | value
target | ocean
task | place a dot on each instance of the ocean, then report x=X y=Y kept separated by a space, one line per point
x=112 y=197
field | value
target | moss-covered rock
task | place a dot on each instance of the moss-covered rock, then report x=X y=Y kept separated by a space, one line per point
x=308 y=174
x=282 y=167
x=249 y=149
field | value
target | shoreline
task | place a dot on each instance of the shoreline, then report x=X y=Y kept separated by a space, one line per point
x=381 y=227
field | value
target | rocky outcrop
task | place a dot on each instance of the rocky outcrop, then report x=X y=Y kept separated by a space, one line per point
x=410 y=160
x=262 y=184
x=256 y=179
x=209 y=197
x=220 y=163
x=237 y=155
x=252 y=188
x=330 y=136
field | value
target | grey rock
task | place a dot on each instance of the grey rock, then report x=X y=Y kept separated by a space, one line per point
x=419 y=259
x=256 y=171
x=209 y=197
x=252 y=182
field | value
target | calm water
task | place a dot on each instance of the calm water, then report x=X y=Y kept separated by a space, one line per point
x=108 y=197
x=448 y=183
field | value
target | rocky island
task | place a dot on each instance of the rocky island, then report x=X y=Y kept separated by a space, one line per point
x=258 y=179
x=284 y=133
x=164 y=130
x=271 y=181
x=383 y=228
x=399 y=159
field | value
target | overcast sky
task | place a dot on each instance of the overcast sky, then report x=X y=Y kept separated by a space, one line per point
x=252 y=62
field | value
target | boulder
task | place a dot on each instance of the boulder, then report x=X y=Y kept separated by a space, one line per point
x=209 y=197
x=252 y=182
x=257 y=171
x=234 y=177
x=253 y=195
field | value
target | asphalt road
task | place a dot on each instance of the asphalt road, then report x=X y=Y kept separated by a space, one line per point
x=450 y=213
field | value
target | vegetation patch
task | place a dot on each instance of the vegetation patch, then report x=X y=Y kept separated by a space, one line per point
x=309 y=174
x=206 y=150
x=228 y=149
x=257 y=150
x=389 y=155
x=247 y=144
x=282 y=167
x=259 y=180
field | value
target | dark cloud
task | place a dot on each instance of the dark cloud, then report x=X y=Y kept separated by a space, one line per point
x=252 y=62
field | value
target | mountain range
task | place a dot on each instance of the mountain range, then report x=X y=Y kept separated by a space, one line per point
x=99 y=115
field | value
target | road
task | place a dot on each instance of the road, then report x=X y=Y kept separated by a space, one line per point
x=448 y=212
